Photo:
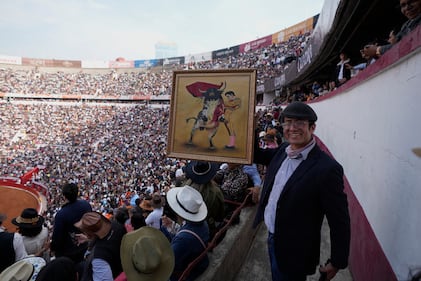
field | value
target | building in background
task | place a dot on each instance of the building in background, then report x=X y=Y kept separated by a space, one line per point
x=165 y=50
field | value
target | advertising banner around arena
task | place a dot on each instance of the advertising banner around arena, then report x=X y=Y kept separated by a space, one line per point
x=94 y=64
x=297 y=29
x=173 y=61
x=71 y=97
x=146 y=63
x=305 y=58
x=10 y=60
x=139 y=97
x=256 y=44
x=223 y=53
x=51 y=63
x=160 y=97
x=37 y=62
x=121 y=64
x=67 y=63
x=279 y=81
x=198 y=57
x=260 y=89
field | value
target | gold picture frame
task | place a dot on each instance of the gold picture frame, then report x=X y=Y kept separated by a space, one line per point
x=212 y=115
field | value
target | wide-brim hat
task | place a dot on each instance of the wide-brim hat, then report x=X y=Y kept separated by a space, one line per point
x=201 y=172
x=26 y=269
x=146 y=205
x=146 y=254
x=188 y=203
x=29 y=218
x=94 y=223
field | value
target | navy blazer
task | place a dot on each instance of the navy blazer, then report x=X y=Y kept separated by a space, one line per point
x=314 y=190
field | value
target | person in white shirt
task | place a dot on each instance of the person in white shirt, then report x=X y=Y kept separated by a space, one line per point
x=154 y=218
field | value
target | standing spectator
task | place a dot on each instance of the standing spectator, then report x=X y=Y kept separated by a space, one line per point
x=146 y=255
x=11 y=246
x=34 y=233
x=192 y=238
x=103 y=262
x=302 y=185
x=342 y=71
x=154 y=218
x=200 y=176
x=63 y=240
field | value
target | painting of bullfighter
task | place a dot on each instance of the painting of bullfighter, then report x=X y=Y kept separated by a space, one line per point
x=203 y=125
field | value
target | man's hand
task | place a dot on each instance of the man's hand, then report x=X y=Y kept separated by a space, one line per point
x=255 y=191
x=330 y=271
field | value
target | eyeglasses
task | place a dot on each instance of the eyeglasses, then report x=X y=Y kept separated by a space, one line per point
x=407 y=3
x=295 y=123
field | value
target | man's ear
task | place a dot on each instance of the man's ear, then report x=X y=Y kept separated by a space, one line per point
x=313 y=127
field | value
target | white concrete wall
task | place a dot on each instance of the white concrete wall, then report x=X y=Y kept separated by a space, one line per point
x=371 y=130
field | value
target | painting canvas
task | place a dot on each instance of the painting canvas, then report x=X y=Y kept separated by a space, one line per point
x=212 y=115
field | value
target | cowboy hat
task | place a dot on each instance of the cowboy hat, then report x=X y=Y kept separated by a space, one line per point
x=188 y=203
x=146 y=205
x=94 y=223
x=26 y=269
x=146 y=254
x=29 y=218
x=201 y=172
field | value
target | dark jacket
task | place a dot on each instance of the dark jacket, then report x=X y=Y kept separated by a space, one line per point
x=314 y=190
x=187 y=248
x=7 y=252
x=107 y=249
x=63 y=240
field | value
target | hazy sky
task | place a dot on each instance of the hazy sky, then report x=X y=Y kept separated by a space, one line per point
x=107 y=29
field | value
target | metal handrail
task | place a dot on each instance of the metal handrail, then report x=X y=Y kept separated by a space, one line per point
x=214 y=242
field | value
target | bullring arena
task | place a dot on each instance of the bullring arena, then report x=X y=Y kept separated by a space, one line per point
x=14 y=197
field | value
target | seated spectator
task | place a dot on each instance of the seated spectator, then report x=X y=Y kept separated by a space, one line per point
x=233 y=183
x=368 y=60
x=342 y=72
x=411 y=9
x=193 y=236
x=34 y=233
x=12 y=248
x=146 y=255
x=103 y=261
x=199 y=175
x=59 y=269
x=26 y=269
